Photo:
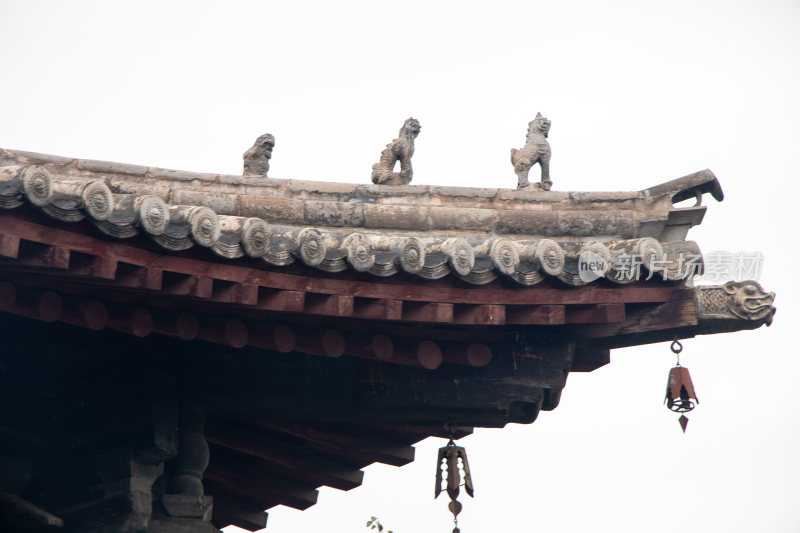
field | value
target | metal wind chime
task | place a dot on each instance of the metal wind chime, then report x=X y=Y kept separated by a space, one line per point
x=452 y=456
x=680 y=397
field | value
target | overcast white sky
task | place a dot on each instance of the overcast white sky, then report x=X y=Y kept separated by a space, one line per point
x=638 y=93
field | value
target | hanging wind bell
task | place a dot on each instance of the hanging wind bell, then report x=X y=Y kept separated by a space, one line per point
x=680 y=391
x=450 y=455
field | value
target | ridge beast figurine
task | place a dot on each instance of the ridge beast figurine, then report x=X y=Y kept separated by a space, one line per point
x=400 y=149
x=256 y=158
x=536 y=150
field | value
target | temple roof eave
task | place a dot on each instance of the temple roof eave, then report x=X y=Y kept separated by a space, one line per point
x=127 y=178
x=477 y=233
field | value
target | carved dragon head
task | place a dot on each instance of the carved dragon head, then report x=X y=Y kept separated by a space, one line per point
x=411 y=127
x=266 y=141
x=749 y=301
x=540 y=123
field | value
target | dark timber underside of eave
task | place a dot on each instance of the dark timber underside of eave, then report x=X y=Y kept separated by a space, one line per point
x=279 y=425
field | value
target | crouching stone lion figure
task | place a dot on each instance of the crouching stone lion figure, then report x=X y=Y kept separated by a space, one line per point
x=536 y=150
x=400 y=149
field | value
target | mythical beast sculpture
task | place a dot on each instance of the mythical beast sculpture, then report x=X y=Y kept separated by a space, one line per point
x=744 y=300
x=256 y=158
x=536 y=150
x=400 y=149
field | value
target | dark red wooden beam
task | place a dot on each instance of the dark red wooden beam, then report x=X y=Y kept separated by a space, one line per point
x=475 y=354
x=87 y=312
x=93 y=266
x=489 y=315
x=138 y=321
x=325 y=342
x=36 y=255
x=594 y=314
x=369 y=346
x=438 y=313
x=9 y=246
x=139 y=277
x=546 y=315
x=378 y=309
x=328 y=304
x=280 y=338
x=280 y=300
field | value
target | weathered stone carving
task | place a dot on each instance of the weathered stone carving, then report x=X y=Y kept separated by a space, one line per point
x=461 y=255
x=205 y=225
x=255 y=237
x=360 y=252
x=98 y=200
x=38 y=185
x=256 y=158
x=551 y=257
x=504 y=255
x=311 y=246
x=153 y=214
x=746 y=300
x=400 y=149
x=412 y=255
x=536 y=150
